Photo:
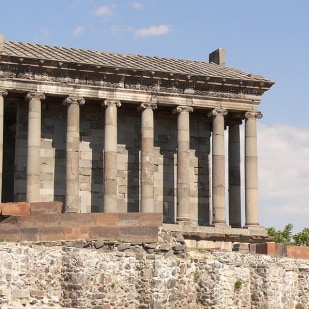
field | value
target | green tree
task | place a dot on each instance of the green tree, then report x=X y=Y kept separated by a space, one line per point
x=302 y=238
x=284 y=236
x=287 y=237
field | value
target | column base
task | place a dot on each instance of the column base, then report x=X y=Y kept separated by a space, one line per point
x=182 y=221
x=218 y=222
x=256 y=230
x=220 y=225
x=247 y=225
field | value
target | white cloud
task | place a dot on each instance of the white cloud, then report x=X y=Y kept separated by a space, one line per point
x=103 y=11
x=283 y=174
x=152 y=31
x=283 y=169
x=137 y=5
x=78 y=30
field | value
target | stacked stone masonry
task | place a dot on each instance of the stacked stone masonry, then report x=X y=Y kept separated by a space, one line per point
x=106 y=275
x=91 y=148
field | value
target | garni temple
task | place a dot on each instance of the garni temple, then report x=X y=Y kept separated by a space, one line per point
x=110 y=133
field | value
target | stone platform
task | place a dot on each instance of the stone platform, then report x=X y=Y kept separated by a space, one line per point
x=45 y=222
x=44 y=227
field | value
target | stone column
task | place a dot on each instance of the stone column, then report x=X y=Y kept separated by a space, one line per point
x=234 y=173
x=72 y=200
x=183 y=163
x=110 y=156
x=34 y=146
x=251 y=169
x=218 y=165
x=147 y=170
x=2 y=94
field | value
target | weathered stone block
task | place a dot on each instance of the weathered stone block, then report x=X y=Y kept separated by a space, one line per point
x=85 y=179
x=298 y=252
x=141 y=233
x=281 y=249
x=20 y=294
x=50 y=233
x=76 y=232
x=28 y=234
x=85 y=187
x=15 y=209
x=37 y=294
x=107 y=219
x=129 y=219
x=151 y=219
x=271 y=249
x=49 y=153
x=86 y=155
x=9 y=233
x=5 y=293
x=39 y=220
x=46 y=207
x=77 y=219
x=104 y=232
x=191 y=243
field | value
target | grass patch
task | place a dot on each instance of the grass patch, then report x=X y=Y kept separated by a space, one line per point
x=237 y=284
x=196 y=275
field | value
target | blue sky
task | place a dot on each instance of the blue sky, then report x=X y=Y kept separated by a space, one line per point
x=262 y=37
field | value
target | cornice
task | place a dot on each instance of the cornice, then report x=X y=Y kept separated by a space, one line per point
x=59 y=72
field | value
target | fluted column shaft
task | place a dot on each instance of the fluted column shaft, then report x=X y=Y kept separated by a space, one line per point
x=34 y=146
x=147 y=170
x=72 y=199
x=218 y=166
x=110 y=156
x=2 y=94
x=234 y=174
x=251 y=169
x=183 y=163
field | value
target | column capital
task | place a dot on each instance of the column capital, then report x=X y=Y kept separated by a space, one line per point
x=144 y=106
x=3 y=92
x=181 y=109
x=251 y=114
x=74 y=100
x=218 y=111
x=234 y=121
x=109 y=102
x=35 y=95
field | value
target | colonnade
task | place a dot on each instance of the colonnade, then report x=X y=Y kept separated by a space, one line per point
x=72 y=201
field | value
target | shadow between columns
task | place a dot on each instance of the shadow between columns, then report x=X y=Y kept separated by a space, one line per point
x=54 y=129
x=165 y=139
x=9 y=139
x=20 y=171
x=91 y=157
x=129 y=139
x=200 y=142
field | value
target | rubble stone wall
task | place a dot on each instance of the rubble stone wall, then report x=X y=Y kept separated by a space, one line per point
x=104 y=275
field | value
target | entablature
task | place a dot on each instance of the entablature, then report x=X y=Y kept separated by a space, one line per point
x=199 y=100
x=104 y=76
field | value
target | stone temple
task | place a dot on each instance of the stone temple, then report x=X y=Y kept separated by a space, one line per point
x=121 y=133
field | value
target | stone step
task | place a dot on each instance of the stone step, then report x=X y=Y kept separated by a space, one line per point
x=129 y=227
x=25 y=208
